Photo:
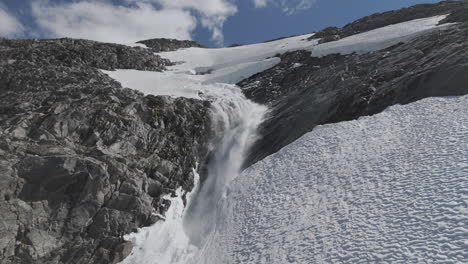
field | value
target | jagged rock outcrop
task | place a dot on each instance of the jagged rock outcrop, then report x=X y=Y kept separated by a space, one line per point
x=163 y=44
x=337 y=88
x=76 y=52
x=83 y=160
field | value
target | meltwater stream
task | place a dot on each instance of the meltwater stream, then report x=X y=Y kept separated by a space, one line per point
x=182 y=237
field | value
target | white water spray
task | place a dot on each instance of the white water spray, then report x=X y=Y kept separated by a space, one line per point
x=181 y=238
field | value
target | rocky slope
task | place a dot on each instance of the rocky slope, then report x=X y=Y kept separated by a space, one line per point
x=457 y=8
x=162 y=44
x=305 y=91
x=82 y=160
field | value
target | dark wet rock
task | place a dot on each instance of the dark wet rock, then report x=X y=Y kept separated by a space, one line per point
x=84 y=161
x=337 y=88
x=394 y=17
x=327 y=35
x=163 y=44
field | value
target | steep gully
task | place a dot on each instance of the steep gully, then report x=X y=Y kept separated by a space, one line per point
x=181 y=238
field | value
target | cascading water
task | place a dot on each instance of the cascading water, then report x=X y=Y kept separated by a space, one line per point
x=181 y=238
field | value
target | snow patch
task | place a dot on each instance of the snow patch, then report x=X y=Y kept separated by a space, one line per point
x=135 y=45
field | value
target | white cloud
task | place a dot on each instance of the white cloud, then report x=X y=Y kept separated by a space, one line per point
x=103 y=21
x=287 y=6
x=260 y=3
x=140 y=19
x=9 y=25
x=213 y=13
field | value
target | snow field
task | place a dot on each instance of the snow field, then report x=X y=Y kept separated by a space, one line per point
x=389 y=188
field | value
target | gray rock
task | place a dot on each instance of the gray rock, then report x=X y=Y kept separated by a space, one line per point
x=163 y=44
x=78 y=153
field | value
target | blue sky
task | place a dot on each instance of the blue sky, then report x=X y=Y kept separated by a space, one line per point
x=210 y=22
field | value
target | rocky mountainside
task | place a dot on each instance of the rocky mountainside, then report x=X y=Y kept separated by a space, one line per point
x=82 y=160
x=456 y=8
x=305 y=91
x=162 y=44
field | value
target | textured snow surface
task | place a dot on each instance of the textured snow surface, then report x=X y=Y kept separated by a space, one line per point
x=390 y=188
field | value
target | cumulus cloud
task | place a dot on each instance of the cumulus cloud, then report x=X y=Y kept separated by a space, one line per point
x=103 y=21
x=136 y=20
x=213 y=13
x=9 y=25
x=287 y=6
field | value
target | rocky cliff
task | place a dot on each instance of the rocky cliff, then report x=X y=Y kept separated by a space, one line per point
x=82 y=160
x=305 y=91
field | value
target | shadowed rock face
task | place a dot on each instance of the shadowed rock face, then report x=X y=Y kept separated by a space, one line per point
x=162 y=44
x=82 y=160
x=337 y=88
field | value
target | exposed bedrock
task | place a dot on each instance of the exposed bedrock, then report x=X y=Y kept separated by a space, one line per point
x=304 y=91
x=82 y=160
x=163 y=44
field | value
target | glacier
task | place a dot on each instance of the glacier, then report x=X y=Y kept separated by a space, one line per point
x=359 y=191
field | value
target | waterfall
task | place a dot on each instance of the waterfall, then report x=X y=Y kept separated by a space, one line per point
x=180 y=239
